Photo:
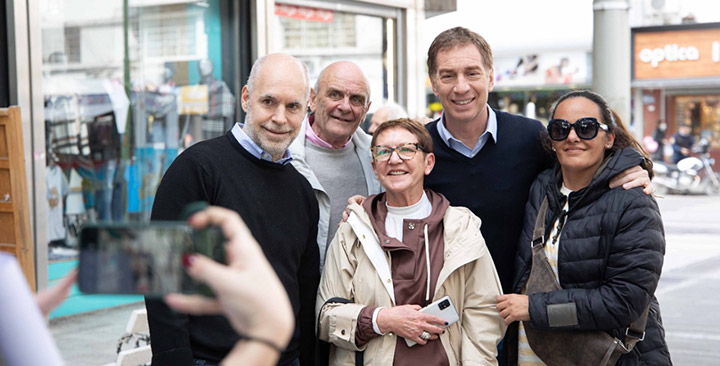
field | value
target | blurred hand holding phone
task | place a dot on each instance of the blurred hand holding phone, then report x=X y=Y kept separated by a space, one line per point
x=144 y=258
x=247 y=291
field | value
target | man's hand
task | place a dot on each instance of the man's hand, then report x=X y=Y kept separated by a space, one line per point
x=633 y=177
x=408 y=322
x=513 y=307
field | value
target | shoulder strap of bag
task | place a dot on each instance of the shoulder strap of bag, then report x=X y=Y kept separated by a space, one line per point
x=539 y=232
x=633 y=334
x=374 y=252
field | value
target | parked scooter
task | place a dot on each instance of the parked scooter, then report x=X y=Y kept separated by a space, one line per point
x=693 y=175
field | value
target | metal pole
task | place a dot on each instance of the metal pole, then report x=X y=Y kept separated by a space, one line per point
x=126 y=138
x=611 y=55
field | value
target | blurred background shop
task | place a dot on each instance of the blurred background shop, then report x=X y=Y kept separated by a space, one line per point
x=543 y=54
x=112 y=91
x=676 y=79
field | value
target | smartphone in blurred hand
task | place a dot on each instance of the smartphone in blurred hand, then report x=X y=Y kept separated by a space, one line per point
x=143 y=258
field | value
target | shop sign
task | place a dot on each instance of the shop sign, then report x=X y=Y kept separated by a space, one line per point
x=304 y=13
x=193 y=99
x=545 y=69
x=676 y=54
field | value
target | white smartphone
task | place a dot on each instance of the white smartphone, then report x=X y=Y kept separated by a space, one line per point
x=443 y=309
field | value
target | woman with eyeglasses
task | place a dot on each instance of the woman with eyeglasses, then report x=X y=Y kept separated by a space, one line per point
x=589 y=257
x=400 y=251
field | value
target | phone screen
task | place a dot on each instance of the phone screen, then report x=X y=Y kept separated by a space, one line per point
x=142 y=258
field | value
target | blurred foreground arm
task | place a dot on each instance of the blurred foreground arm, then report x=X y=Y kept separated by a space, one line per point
x=50 y=298
x=247 y=290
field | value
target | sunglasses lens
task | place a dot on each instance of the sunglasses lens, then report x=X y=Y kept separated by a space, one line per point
x=586 y=129
x=558 y=130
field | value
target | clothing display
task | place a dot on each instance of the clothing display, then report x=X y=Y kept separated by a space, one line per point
x=279 y=208
x=57 y=189
x=74 y=204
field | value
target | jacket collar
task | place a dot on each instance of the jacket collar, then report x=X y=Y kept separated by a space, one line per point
x=461 y=233
x=375 y=207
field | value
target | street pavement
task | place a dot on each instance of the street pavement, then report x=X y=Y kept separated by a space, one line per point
x=689 y=288
x=689 y=293
x=91 y=339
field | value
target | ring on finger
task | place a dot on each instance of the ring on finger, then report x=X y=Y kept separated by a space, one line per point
x=425 y=335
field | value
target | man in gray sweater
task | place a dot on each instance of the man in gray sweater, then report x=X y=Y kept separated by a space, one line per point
x=331 y=151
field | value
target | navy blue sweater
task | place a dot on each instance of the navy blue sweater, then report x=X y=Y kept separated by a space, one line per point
x=494 y=184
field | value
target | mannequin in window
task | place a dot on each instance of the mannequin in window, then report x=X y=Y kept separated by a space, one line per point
x=221 y=102
x=57 y=190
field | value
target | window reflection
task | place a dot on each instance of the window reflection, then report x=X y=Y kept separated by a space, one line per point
x=116 y=119
x=319 y=37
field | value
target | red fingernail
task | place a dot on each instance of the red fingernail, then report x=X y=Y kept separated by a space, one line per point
x=188 y=259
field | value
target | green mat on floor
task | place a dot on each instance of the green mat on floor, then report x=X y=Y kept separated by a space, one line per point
x=78 y=302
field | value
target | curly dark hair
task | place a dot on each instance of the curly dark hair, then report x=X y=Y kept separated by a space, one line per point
x=623 y=137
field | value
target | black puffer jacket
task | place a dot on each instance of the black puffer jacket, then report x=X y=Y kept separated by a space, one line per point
x=610 y=257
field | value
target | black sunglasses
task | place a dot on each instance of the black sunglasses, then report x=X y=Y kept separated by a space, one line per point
x=586 y=128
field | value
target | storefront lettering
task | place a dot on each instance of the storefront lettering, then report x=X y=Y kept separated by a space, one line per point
x=671 y=52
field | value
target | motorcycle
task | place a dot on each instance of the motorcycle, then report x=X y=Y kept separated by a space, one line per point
x=692 y=175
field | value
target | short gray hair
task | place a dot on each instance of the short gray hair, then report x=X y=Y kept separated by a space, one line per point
x=393 y=111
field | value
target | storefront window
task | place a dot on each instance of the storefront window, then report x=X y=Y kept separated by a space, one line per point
x=702 y=113
x=320 y=36
x=126 y=90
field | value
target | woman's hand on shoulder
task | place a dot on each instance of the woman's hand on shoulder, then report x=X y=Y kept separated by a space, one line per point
x=513 y=307
x=408 y=322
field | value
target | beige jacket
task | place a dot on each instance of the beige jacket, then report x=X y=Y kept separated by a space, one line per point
x=468 y=276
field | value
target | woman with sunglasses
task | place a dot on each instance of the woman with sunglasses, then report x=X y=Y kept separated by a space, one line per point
x=401 y=251
x=592 y=261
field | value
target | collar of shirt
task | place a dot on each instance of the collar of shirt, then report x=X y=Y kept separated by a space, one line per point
x=459 y=146
x=248 y=144
x=311 y=136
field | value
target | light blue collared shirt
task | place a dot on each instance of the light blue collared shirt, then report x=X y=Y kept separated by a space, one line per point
x=459 y=146
x=248 y=144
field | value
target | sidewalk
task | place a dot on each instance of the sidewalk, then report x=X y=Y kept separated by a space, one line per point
x=90 y=339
